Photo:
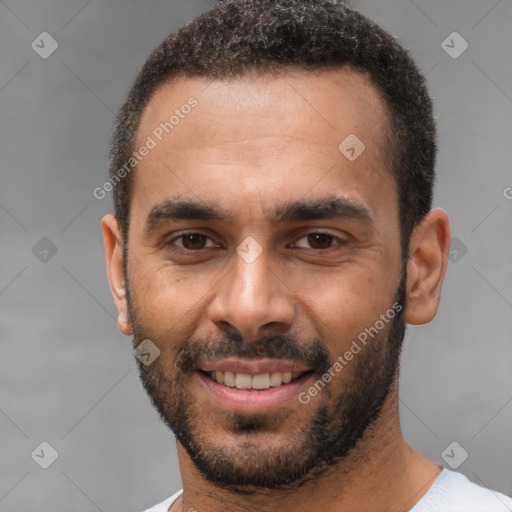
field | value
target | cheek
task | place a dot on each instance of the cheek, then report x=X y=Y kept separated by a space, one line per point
x=341 y=307
x=168 y=303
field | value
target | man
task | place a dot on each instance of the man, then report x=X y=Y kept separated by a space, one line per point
x=273 y=169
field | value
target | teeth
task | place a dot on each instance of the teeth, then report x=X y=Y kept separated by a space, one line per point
x=243 y=381
x=261 y=381
x=276 y=378
x=246 y=381
x=229 y=379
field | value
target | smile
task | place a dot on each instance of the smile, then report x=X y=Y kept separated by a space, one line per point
x=257 y=382
x=253 y=386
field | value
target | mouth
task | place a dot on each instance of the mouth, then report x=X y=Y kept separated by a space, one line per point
x=254 y=386
x=258 y=382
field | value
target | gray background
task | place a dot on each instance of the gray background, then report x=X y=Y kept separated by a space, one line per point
x=68 y=377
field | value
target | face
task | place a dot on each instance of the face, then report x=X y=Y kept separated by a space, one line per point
x=259 y=255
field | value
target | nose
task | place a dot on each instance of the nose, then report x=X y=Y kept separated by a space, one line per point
x=253 y=299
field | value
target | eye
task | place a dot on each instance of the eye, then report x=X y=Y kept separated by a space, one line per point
x=318 y=241
x=192 y=241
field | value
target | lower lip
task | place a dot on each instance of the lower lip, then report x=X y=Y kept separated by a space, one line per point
x=254 y=401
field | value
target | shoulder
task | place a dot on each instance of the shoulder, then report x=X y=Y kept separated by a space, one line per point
x=456 y=493
x=164 y=505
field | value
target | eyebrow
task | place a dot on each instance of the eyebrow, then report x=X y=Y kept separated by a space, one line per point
x=320 y=208
x=171 y=211
x=290 y=211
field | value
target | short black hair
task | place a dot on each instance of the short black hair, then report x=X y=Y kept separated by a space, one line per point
x=236 y=37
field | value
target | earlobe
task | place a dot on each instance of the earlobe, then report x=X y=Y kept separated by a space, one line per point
x=113 y=240
x=426 y=267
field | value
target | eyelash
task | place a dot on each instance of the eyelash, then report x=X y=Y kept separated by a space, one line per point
x=336 y=241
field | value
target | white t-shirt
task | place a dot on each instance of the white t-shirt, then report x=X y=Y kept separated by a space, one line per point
x=451 y=492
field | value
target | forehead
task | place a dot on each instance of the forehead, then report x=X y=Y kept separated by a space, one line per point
x=273 y=133
x=331 y=100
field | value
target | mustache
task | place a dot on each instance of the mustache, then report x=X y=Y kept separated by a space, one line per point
x=312 y=354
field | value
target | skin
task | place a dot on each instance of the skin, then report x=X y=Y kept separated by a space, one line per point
x=288 y=151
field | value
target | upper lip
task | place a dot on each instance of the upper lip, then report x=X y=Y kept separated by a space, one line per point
x=251 y=366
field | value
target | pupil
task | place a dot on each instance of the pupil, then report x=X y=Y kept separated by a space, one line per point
x=320 y=240
x=193 y=241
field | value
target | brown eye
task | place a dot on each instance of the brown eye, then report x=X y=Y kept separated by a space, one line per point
x=320 y=240
x=193 y=241
x=193 y=244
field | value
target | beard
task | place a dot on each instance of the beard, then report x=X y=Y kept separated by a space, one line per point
x=260 y=459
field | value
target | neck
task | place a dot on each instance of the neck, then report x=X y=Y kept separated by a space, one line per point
x=381 y=473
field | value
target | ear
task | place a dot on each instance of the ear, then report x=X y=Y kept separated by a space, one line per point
x=426 y=267
x=112 y=237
